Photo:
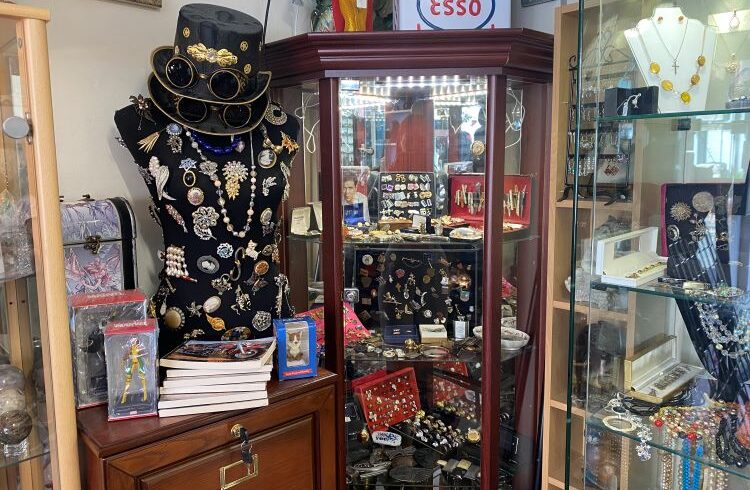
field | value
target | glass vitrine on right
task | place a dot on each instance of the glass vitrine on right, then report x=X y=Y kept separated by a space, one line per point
x=662 y=353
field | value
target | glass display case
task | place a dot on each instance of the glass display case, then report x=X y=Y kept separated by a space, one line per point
x=37 y=417
x=415 y=238
x=659 y=333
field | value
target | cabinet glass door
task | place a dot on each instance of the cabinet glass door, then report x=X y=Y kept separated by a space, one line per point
x=24 y=436
x=665 y=335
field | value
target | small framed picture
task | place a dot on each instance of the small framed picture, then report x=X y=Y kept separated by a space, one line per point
x=144 y=3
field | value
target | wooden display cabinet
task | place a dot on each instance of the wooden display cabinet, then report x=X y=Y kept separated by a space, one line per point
x=375 y=104
x=33 y=314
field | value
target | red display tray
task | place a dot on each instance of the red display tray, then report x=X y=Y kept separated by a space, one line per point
x=517 y=194
x=389 y=399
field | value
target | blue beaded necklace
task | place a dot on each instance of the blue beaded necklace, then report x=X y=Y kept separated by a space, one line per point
x=236 y=145
x=691 y=481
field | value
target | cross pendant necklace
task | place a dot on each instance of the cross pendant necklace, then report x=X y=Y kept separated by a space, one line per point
x=675 y=65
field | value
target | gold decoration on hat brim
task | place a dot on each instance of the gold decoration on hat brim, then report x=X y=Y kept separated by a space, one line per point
x=192 y=126
x=248 y=69
x=222 y=57
x=261 y=74
x=244 y=45
x=186 y=32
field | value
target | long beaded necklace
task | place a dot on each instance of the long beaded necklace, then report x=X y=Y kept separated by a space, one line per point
x=691 y=480
x=668 y=85
x=734 y=343
x=210 y=168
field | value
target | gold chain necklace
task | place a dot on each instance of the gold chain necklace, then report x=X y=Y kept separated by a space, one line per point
x=733 y=64
x=668 y=85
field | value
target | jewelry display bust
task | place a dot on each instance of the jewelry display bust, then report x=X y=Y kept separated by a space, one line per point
x=675 y=53
x=221 y=278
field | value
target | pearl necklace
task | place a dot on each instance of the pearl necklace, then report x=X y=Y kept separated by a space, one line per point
x=210 y=168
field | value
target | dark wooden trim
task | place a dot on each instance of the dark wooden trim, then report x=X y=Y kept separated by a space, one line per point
x=492 y=280
x=333 y=252
x=107 y=439
x=529 y=368
x=319 y=55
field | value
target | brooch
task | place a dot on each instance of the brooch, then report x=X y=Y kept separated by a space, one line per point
x=703 y=202
x=216 y=323
x=160 y=173
x=680 y=211
x=262 y=320
x=235 y=173
x=203 y=219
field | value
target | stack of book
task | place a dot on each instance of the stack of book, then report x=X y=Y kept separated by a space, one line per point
x=216 y=376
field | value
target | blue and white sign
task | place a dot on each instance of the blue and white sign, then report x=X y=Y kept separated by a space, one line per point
x=451 y=14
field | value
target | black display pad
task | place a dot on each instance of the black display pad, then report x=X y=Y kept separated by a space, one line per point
x=706 y=252
x=407 y=287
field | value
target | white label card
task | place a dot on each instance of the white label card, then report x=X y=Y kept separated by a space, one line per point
x=300 y=221
x=418 y=220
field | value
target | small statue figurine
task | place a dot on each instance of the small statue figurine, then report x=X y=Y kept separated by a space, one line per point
x=294 y=347
x=354 y=17
x=133 y=362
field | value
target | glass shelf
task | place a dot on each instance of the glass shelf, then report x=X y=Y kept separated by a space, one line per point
x=719 y=116
x=36 y=447
x=515 y=237
x=655 y=288
x=658 y=443
x=505 y=355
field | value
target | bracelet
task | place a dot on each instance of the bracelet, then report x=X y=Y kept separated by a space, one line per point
x=619 y=424
x=435 y=352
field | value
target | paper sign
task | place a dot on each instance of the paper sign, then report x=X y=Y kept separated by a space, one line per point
x=386 y=438
x=300 y=221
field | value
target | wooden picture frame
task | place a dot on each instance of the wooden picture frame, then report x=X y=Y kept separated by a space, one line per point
x=530 y=3
x=143 y=3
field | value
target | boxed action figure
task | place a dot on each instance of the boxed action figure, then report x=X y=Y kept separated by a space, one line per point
x=131 y=349
x=89 y=315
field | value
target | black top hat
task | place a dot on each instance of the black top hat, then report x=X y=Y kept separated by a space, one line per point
x=216 y=57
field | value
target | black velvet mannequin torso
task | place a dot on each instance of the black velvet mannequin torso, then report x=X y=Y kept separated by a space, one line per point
x=255 y=292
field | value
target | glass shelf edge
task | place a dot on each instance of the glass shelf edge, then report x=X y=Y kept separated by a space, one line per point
x=505 y=355
x=32 y=454
x=507 y=238
x=596 y=423
x=654 y=289
x=672 y=115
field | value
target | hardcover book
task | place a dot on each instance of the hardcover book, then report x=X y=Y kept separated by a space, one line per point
x=239 y=355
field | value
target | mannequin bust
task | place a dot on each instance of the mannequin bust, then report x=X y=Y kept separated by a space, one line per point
x=188 y=309
x=667 y=47
x=216 y=155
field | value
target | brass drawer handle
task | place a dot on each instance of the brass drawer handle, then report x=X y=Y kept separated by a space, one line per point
x=252 y=472
x=249 y=459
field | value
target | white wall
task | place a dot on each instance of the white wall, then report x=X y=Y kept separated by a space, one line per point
x=540 y=17
x=99 y=56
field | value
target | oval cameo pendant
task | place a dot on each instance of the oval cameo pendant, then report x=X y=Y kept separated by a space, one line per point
x=267 y=159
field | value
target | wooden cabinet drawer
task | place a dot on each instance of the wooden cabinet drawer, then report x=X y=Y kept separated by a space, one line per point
x=285 y=461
